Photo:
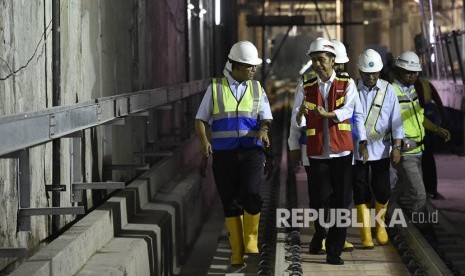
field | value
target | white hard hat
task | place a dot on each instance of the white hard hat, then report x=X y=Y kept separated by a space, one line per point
x=409 y=61
x=245 y=52
x=341 y=53
x=369 y=61
x=321 y=45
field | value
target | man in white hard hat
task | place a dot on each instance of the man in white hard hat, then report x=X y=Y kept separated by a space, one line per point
x=341 y=56
x=410 y=182
x=383 y=125
x=328 y=105
x=297 y=138
x=239 y=113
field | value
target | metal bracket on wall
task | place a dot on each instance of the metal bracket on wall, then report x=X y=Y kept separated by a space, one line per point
x=116 y=122
x=24 y=190
x=164 y=107
x=51 y=188
x=122 y=167
x=141 y=114
x=157 y=153
x=77 y=188
x=13 y=252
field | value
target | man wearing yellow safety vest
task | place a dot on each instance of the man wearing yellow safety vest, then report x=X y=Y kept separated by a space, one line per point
x=327 y=105
x=409 y=190
x=384 y=131
x=297 y=137
x=239 y=113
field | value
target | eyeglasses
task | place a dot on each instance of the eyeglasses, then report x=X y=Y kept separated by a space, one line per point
x=248 y=66
x=409 y=73
x=371 y=74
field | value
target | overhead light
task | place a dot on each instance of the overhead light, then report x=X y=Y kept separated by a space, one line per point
x=190 y=6
x=217 y=12
x=202 y=12
x=366 y=22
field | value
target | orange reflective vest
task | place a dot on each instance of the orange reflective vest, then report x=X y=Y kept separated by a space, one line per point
x=340 y=136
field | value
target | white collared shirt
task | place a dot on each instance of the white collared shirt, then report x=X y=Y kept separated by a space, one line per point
x=389 y=120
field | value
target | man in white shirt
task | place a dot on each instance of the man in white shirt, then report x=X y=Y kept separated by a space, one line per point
x=327 y=106
x=297 y=138
x=239 y=113
x=383 y=125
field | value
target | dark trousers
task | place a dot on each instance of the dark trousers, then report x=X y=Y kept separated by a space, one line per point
x=428 y=165
x=330 y=187
x=376 y=181
x=238 y=174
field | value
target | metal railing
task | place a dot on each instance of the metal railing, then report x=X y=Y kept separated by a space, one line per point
x=19 y=132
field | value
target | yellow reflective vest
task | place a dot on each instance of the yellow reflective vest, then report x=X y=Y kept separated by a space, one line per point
x=412 y=118
x=235 y=122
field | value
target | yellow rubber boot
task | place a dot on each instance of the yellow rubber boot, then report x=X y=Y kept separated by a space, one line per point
x=363 y=217
x=234 y=227
x=347 y=246
x=381 y=234
x=251 y=232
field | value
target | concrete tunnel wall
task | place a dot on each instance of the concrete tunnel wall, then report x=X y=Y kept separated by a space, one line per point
x=108 y=47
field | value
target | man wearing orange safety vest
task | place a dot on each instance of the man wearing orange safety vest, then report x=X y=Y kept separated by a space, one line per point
x=328 y=105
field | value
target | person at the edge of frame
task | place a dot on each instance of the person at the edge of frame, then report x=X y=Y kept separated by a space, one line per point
x=409 y=191
x=237 y=108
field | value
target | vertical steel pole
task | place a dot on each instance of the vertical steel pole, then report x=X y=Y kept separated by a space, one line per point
x=451 y=62
x=56 y=101
x=425 y=37
x=436 y=57
x=459 y=56
x=263 y=43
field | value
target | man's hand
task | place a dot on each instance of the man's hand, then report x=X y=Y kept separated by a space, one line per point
x=206 y=149
x=321 y=111
x=303 y=111
x=262 y=136
x=395 y=155
x=363 y=151
x=443 y=133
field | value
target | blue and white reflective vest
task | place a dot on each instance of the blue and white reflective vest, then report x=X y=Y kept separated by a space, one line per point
x=235 y=123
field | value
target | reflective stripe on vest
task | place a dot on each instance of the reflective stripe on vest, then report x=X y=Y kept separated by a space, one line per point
x=412 y=118
x=235 y=122
x=375 y=110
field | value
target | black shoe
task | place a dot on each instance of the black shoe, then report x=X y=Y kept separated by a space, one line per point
x=236 y=268
x=315 y=248
x=336 y=260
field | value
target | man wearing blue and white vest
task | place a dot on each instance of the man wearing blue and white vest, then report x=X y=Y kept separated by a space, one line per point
x=384 y=132
x=237 y=108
